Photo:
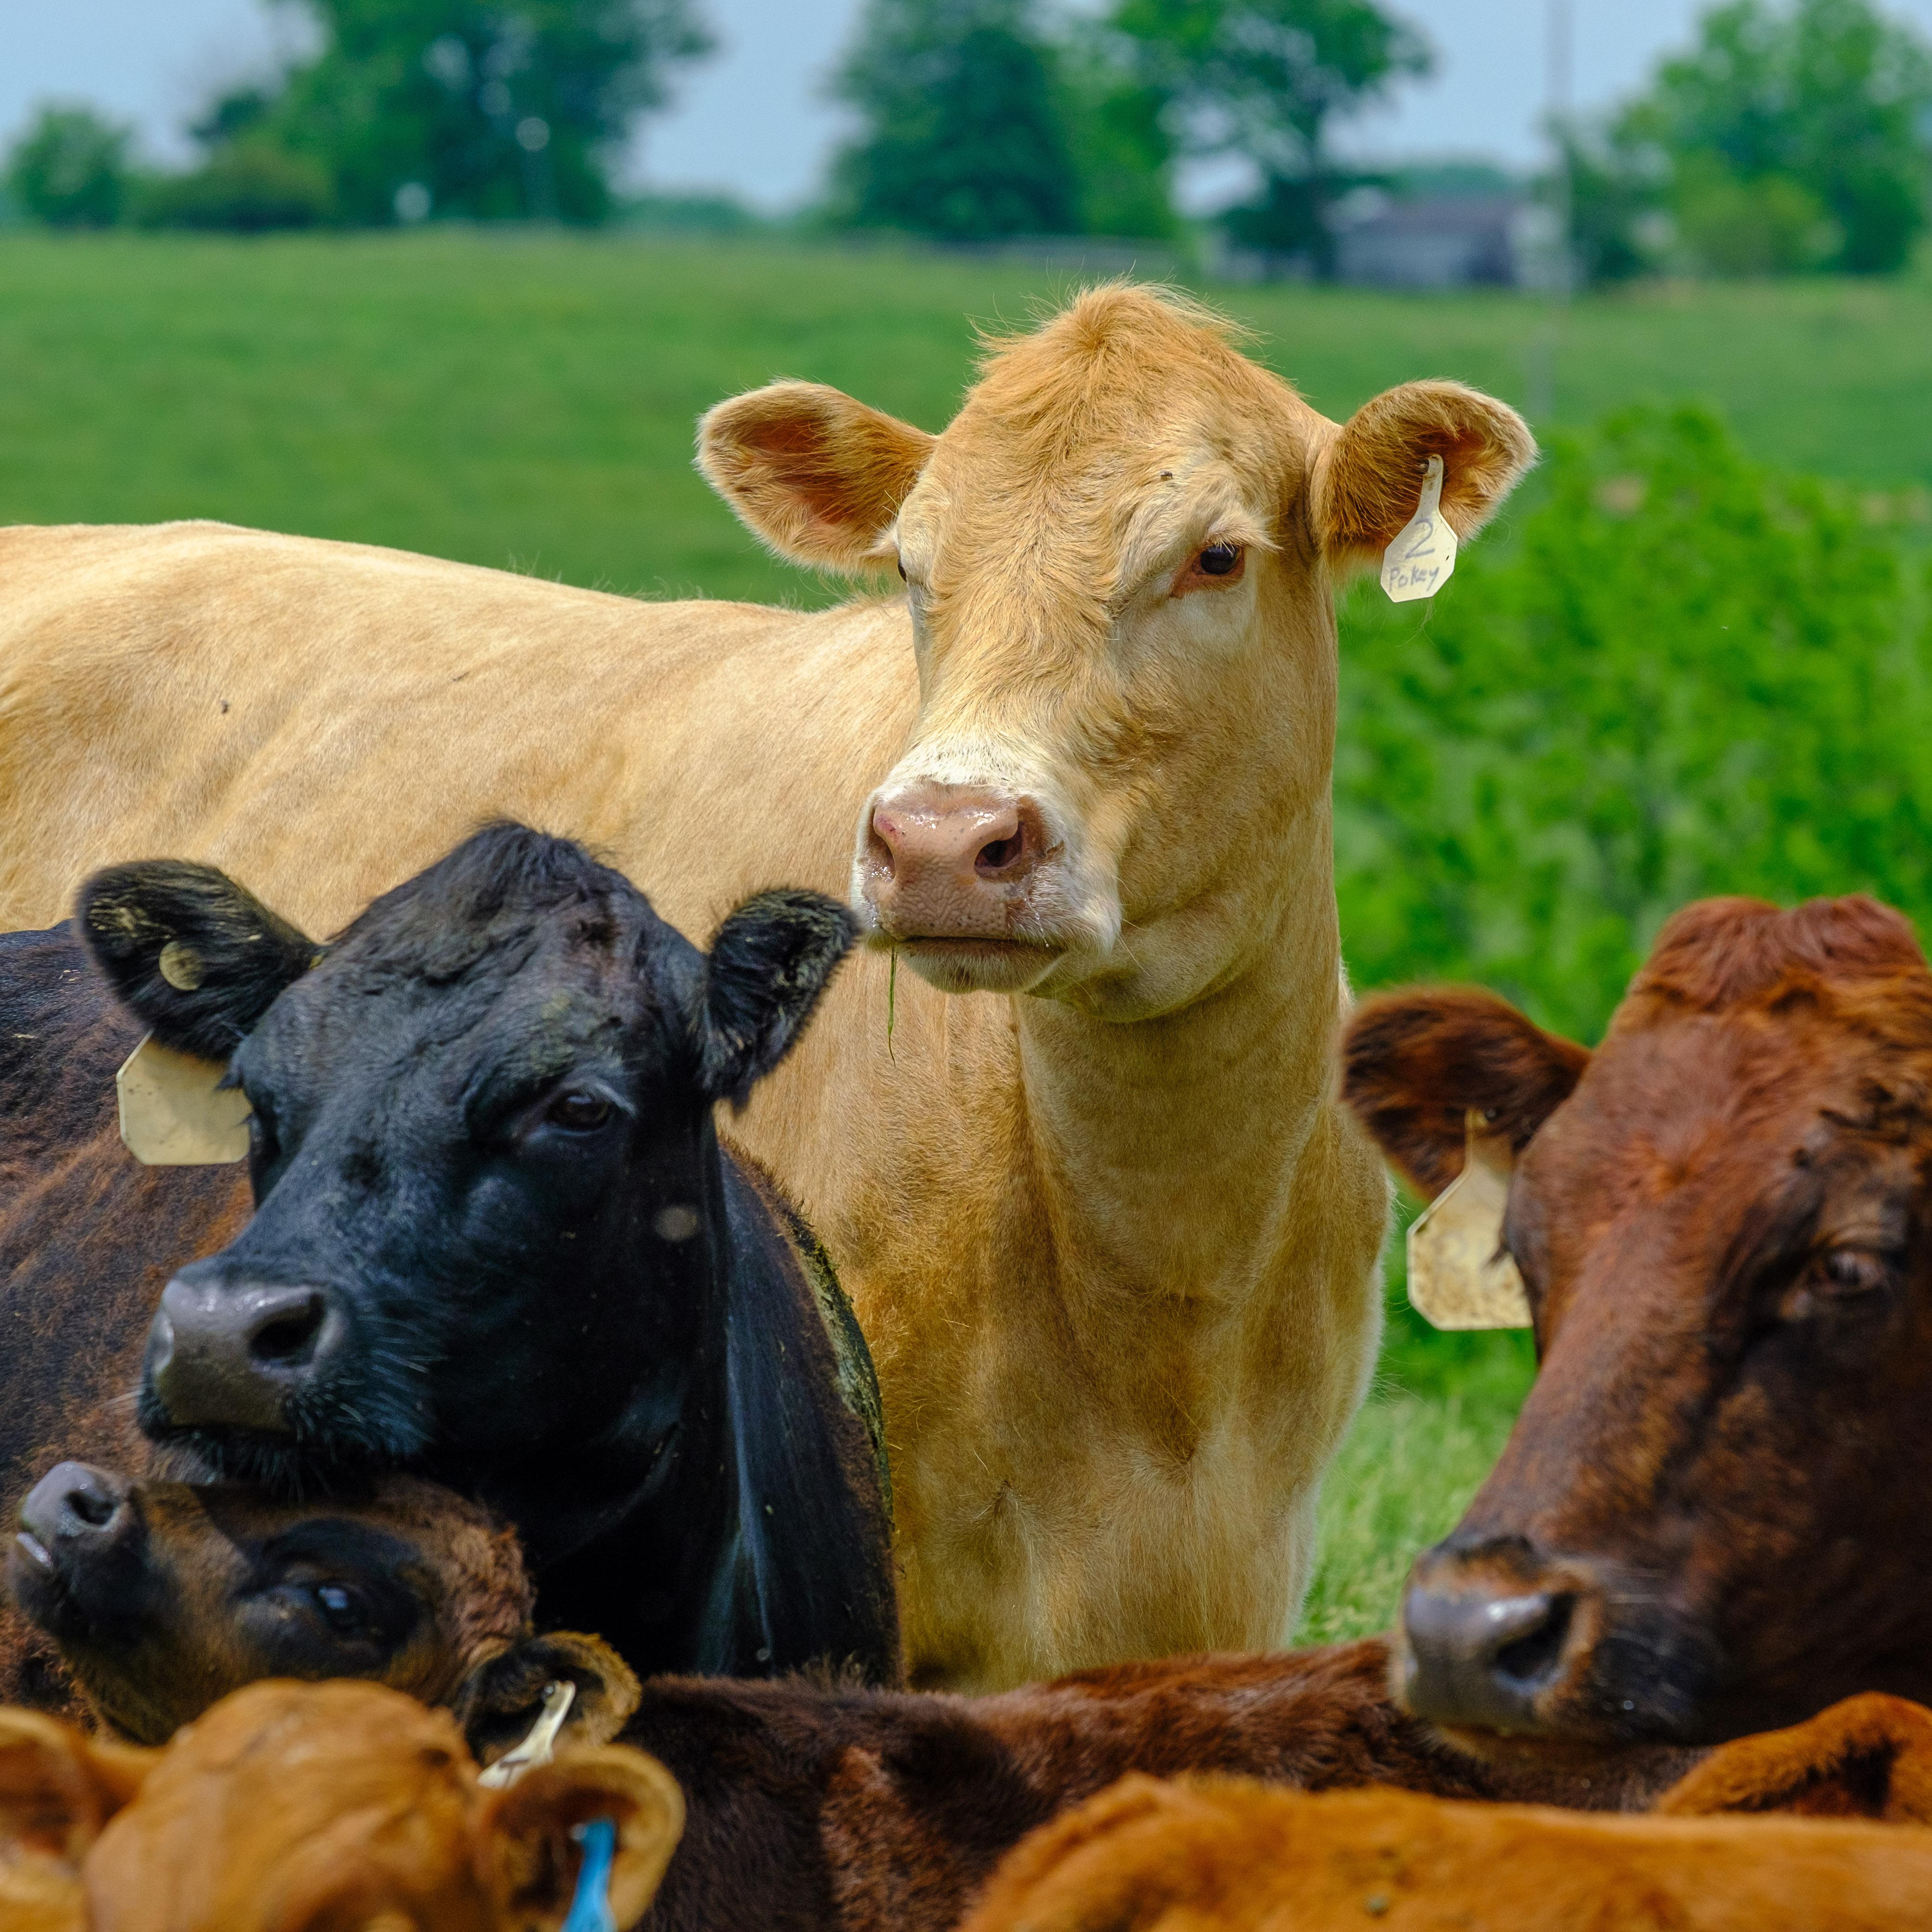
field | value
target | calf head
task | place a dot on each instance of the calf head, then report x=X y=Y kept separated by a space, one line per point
x=317 y=1807
x=1119 y=561
x=1709 y=1516
x=165 y=1598
x=488 y=1196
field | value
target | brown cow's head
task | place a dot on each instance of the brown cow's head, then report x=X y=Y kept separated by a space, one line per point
x=1119 y=561
x=1710 y=1518
x=345 y=1807
x=165 y=1597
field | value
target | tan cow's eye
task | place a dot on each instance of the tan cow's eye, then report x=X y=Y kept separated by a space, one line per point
x=1220 y=559
x=1211 y=568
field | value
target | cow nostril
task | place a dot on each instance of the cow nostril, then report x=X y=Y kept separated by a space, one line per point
x=999 y=855
x=879 y=850
x=94 y=1507
x=288 y=1336
x=1529 y=1660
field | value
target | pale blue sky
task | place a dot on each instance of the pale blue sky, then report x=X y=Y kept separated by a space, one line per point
x=754 y=120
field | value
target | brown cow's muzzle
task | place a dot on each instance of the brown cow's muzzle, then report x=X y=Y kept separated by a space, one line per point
x=944 y=863
x=1494 y=1639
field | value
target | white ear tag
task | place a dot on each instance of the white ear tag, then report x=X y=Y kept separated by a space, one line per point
x=1456 y=1277
x=1422 y=557
x=539 y=1747
x=175 y=1114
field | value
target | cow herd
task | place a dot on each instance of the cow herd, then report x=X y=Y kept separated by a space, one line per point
x=886 y=1513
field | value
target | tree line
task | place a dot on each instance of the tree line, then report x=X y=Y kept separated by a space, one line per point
x=1792 y=135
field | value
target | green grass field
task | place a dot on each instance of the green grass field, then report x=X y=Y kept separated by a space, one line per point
x=527 y=401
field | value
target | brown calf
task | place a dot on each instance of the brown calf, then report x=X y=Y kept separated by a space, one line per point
x=1709 y=1519
x=163 y=1597
x=1225 y=1855
x=293 y=1807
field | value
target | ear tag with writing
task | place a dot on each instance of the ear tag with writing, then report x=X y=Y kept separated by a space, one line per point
x=174 y=1112
x=1422 y=557
x=1457 y=1278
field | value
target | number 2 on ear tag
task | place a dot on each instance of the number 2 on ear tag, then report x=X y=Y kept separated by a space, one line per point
x=1422 y=557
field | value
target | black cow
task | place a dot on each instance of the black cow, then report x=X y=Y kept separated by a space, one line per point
x=496 y=1239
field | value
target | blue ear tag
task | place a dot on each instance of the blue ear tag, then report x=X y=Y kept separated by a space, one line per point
x=590 y=1909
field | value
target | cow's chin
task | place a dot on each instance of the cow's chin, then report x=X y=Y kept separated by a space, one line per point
x=979 y=965
x=338 y=1450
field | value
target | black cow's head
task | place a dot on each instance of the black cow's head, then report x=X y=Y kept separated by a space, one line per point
x=488 y=1192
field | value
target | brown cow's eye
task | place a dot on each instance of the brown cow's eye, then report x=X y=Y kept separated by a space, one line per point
x=1219 y=559
x=580 y=1113
x=1852 y=1271
x=341 y=1609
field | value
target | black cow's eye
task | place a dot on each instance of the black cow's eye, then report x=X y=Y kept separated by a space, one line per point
x=580 y=1113
x=340 y=1609
x=1218 y=559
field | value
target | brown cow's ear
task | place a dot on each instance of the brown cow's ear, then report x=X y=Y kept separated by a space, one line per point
x=1415 y=1064
x=57 y=1788
x=1870 y=1757
x=1368 y=477
x=502 y=1698
x=817 y=476
x=196 y=956
x=533 y=1859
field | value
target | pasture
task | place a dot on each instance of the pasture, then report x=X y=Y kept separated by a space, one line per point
x=526 y=402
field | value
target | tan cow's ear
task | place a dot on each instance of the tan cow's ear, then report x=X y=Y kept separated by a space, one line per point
x=1415 y=1065
x=57 y=1788
x=502 y=1697
x=533 y=1858
x=817 y=476
x=1368 y=476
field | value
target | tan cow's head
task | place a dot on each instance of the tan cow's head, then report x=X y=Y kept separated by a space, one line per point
x=1119 y=560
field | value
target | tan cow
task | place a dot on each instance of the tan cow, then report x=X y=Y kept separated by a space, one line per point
x=1113 y=1241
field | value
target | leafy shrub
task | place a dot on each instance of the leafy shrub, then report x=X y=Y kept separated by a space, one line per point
x=69 y=169
x=248 y=186
x=1678 y=676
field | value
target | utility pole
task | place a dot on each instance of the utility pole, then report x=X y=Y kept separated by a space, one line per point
x=1559 y=25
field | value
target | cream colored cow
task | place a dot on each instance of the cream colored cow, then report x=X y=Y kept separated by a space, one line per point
x=1082 y=1169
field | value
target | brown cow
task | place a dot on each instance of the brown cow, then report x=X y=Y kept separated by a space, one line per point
x=1113 y=1244
x=1226 y=1855
x=1708 y=1518
x=292 y=1807
x=163 y=1597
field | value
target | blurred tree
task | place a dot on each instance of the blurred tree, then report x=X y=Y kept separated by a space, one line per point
x=461 y=107
x=1123 y=152
x=70 y=168
x=1263 y=80
x=1796 y=139
x=964 y=113
x=249 y=185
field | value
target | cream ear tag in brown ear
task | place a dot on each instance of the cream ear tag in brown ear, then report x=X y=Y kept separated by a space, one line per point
x=174 y=1112
x=1458 y=1277
x=1422 y=557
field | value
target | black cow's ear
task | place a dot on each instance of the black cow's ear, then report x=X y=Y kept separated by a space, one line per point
x=769 y=963
x=499 y=1703
x=197 y=958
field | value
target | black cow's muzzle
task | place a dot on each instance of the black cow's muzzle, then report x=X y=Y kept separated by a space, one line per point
x=227 y=1354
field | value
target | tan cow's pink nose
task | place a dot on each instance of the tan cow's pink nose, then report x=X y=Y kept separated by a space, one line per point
x=949 y=862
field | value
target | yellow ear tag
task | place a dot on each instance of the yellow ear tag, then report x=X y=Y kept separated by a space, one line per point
x=173 y=1111
x=1422 y=557
x=1456 y=1277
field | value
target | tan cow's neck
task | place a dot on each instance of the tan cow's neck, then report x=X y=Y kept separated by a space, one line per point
x=1168 y=1147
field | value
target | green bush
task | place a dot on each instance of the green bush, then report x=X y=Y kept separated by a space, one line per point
x=250 y=186
x=1772 y=225
x=1679 y=675
x=69 y=169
